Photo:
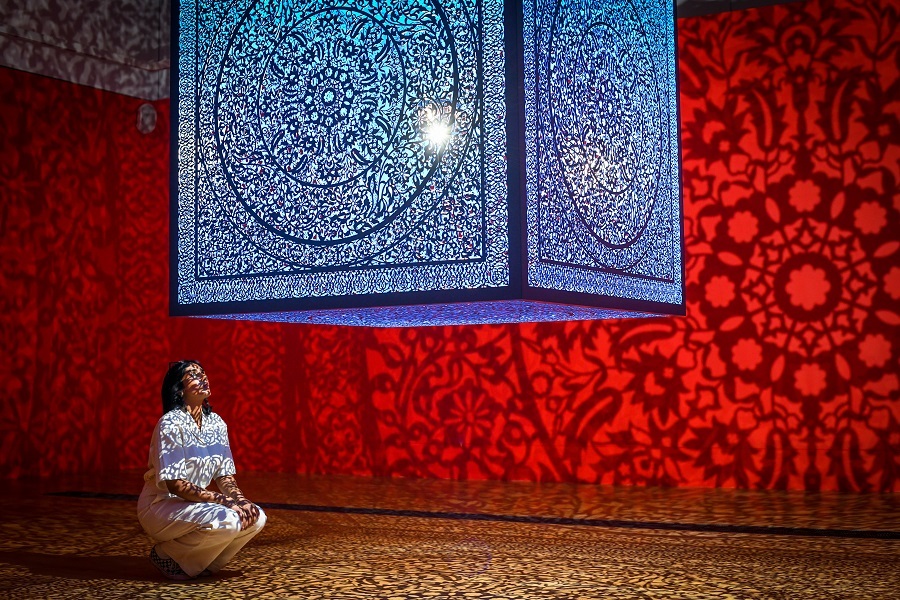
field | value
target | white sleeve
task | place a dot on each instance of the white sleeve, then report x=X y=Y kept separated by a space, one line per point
x=226 y=467
x=172 y=456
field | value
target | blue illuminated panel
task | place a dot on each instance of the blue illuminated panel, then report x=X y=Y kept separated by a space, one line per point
x=603 y=178
x=332 y=149
x=357 y=162
x=470 y=313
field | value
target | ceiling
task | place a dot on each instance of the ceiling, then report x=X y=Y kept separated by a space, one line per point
x=697 y=8
x=123 y=45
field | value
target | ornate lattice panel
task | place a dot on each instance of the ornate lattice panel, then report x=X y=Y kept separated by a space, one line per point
x=355 y=156
x=309 y=158
x=604 y=214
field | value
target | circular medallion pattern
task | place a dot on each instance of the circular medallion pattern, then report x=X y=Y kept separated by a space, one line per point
x=807 y=287
x=319 y=95
x=319 y=156
x=606 y=119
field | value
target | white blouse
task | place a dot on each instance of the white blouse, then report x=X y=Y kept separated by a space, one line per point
x=181 y=450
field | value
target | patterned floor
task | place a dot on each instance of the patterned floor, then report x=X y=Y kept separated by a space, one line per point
x=354 y=538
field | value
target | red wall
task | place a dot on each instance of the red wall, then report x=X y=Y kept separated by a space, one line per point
x=784 y=374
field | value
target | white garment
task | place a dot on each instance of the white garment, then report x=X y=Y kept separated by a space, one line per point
x=181 y=450
x=197 y=535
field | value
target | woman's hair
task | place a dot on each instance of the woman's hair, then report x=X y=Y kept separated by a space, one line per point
x=172 y=386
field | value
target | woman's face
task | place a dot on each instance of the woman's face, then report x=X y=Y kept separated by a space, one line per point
x=196 y=385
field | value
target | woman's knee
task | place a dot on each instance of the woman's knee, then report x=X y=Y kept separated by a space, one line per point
x=227 y=523
x=261 y=521
x=233 y=522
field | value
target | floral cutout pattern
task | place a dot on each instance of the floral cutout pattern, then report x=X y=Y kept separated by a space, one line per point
x=783 y=374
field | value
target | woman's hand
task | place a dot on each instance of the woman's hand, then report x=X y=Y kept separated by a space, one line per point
x=249 y=513
x=252 y=509
x=246 y=510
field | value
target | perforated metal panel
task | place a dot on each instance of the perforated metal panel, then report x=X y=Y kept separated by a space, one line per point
x=334 y=156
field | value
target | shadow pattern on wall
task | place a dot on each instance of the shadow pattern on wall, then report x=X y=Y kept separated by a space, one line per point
x=783 y=374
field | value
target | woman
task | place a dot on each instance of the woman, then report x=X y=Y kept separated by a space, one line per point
x=197 y=530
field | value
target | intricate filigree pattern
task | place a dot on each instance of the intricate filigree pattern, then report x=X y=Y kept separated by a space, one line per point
x=308 y=160
x=602 y=148
x=783 y=374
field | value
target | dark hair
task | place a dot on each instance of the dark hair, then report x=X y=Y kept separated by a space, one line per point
x=172 y=386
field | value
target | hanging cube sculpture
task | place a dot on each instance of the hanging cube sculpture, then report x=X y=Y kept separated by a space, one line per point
x=416 y=162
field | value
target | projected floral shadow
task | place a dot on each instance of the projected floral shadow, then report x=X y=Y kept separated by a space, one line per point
x=784 y=373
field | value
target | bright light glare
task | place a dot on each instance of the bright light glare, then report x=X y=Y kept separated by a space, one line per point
x=437 y=134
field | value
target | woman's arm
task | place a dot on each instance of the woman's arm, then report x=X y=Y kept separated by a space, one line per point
x=230 y=487
x=194 y=493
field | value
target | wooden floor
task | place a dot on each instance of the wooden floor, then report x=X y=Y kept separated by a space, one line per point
x=342 y=537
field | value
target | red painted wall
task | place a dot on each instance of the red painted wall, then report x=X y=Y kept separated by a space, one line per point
x=783 y=374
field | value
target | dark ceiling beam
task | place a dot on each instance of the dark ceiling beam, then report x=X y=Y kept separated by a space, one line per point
x=697 y=8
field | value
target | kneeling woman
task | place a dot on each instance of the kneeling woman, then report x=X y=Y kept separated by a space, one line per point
x=197 y=530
